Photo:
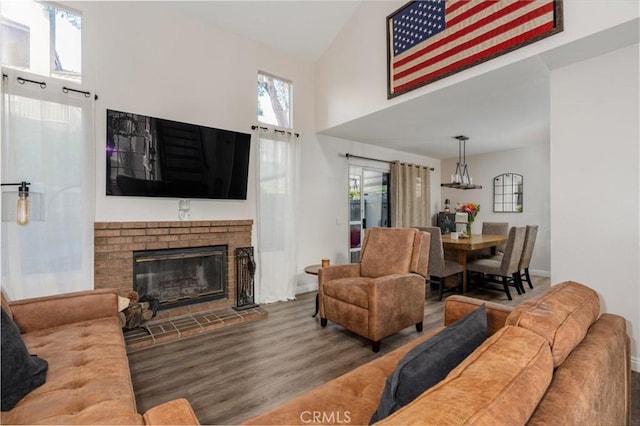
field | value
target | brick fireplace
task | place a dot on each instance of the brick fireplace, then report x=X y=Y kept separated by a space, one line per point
x=116 y=242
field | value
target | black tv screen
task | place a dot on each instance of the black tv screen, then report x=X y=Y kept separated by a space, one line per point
x=154 y=157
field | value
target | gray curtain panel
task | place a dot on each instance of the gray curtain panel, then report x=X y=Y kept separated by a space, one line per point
x=410 y=195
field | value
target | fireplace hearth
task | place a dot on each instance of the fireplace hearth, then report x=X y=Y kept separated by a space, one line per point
x=182 y=276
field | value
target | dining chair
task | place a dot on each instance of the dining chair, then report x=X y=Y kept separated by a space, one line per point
x=494 y=228
x=527 y=253
x=499 y=228
x=502 y=270
x=439 y=267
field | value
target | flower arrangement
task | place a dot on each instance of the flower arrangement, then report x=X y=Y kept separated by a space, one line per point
x=472 y=211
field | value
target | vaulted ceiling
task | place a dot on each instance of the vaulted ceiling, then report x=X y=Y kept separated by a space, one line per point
x=504 y=109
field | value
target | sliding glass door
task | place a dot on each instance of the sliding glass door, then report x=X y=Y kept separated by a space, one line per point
x=368 y=204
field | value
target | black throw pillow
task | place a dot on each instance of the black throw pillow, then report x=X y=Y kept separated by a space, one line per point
x=431 y=361
x=21 y=372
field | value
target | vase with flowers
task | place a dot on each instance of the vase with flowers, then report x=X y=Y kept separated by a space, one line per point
x=472 y=211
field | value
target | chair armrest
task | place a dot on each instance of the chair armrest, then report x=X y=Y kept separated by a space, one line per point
x=387 y=294
x=175 y=412
x=394 y=283
x=53 y=311
x=333 y=273
x=338 y=271
x=456 y=306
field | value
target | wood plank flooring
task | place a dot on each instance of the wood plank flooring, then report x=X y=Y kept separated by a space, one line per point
x=238 y=372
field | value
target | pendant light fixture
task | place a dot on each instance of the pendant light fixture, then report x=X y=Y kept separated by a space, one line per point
x=461 y=178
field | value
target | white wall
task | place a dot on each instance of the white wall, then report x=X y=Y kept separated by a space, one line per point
x=595 y=189
x=532 y=162
x=148 y=58
x=351 y=77
x=594 y=134
x=324 y=209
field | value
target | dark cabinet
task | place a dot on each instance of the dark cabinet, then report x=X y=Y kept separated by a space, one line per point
x=447 y=222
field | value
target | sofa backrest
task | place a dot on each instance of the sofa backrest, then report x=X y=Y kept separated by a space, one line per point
x=389 y=251
x=40 y=313
x=500 y=383
x=562 y=315
x=5 y=305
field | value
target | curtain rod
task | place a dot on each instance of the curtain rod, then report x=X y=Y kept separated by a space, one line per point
x=282 y=132
x=43 y=85
x=375 y=159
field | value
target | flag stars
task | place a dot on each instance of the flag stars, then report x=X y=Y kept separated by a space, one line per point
x=417 y=23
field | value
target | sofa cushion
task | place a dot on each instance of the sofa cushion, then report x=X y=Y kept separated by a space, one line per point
x=21 y=372
x=174 y=412
x=591 y=387
x=351 y=290
x=431 y=361
x=500 y=383
x=88 y=381
x=562 y=315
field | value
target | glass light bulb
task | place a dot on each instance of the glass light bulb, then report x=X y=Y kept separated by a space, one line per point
x=22 y=210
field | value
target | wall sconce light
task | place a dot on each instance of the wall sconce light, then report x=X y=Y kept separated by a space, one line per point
x=22 y=208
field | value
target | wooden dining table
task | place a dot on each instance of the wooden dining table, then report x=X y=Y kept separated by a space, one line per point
x=462 y=246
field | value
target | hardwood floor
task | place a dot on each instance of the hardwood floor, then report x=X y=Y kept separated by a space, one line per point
x=236 y=373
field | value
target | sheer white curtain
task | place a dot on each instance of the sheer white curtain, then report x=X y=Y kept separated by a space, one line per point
x=276 y=222
x=410 y=195
x=47 y=140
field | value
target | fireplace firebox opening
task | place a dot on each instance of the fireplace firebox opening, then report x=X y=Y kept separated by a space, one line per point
x=182 y=276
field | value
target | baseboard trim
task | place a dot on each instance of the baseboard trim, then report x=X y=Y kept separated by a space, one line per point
x=540 y=273
x=306 y=287
x=635 y=364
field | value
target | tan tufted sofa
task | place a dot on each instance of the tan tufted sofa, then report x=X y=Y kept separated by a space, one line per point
x=88 y=381
x=553 y=360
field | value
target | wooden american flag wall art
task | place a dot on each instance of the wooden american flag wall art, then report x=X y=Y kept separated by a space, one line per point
x=431 y=39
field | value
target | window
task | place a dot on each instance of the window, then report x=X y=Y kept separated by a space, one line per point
x=41 y=38
x=277 y=172
x=274 y=101
x=47 y=140
x=368 y=204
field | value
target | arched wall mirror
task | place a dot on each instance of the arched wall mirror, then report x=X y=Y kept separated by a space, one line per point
x=507 y=193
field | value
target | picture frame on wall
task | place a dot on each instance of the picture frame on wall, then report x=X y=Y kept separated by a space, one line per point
x=428 y=40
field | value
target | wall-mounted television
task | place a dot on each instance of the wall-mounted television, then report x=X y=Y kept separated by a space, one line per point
x=154 y=157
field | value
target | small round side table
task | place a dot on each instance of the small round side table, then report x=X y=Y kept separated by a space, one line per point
x=313 y=270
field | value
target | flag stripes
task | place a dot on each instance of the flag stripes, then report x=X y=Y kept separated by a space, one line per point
x=476 y=30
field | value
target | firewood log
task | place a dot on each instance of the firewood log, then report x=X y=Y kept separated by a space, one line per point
x=133 y=315
x=147 y=314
